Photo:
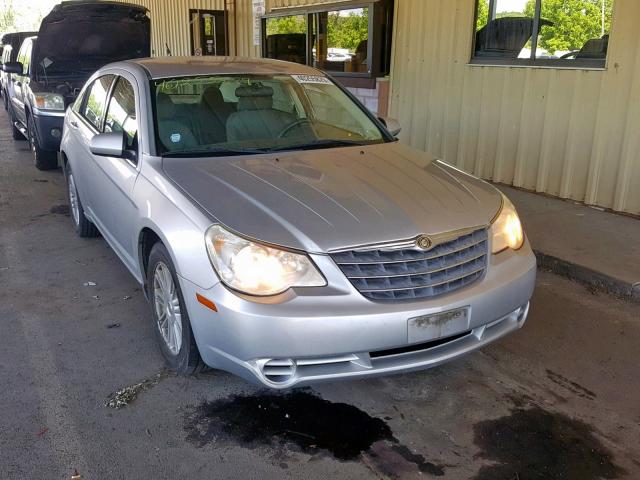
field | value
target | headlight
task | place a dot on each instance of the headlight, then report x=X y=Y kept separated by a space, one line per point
x=506 y=230
x=258 y=269
x=48 y=101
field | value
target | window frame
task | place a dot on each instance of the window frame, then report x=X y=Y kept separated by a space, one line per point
x=376 y=41
x=559 y=63
x=215 y=14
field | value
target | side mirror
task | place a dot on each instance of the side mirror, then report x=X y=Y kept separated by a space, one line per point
x=109 y=144
x=13 y=67
x=392 y=125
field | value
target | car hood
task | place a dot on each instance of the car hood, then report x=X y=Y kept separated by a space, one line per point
x=84 y=36
x=324 y=200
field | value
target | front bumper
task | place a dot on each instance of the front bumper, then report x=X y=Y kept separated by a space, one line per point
x=46 y=124
x=321 y=334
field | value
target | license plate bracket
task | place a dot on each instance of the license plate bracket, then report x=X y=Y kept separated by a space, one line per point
x=438 y=325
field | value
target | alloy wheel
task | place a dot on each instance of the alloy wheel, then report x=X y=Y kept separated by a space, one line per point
x=73 y=200
x=167 y=307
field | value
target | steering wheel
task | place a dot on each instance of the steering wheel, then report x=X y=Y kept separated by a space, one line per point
x=291 y=126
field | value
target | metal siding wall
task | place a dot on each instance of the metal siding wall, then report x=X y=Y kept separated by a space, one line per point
x=170 y=24
x=570 y=133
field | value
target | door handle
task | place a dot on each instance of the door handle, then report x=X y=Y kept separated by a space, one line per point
x=73 y=123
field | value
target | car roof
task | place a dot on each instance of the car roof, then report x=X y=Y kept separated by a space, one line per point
x=168 y=67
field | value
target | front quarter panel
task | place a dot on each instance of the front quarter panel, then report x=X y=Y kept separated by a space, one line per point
x=179 y=224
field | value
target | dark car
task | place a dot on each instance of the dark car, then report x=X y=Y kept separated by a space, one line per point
x=74 y=40
x=10 y=45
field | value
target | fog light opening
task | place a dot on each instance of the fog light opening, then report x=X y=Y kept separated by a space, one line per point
x=279 y=371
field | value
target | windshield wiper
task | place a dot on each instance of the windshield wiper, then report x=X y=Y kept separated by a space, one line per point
x=212 y=152
x=317 y=144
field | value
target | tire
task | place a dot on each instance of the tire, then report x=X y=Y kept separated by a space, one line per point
x=164 y=291
x=15 y=133
x=43 y=159
x=83 y=227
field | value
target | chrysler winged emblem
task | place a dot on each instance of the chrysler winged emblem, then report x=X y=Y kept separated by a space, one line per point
x=423 y=242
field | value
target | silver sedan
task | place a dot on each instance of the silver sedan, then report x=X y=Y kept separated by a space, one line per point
x=278 y=228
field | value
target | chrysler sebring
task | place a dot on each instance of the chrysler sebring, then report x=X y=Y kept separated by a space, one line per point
x=278 y=228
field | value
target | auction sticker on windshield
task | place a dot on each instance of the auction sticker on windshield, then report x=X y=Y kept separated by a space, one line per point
x=312 y=79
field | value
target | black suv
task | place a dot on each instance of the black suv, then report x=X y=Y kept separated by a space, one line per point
x=74 y=40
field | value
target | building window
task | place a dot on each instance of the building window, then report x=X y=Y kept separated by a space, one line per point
x=341 y=40
x=350 y=40
x=553 y=33
x=286 y=38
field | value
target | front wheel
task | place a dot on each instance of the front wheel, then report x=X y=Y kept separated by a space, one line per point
x=43 y=159
x=172 y=325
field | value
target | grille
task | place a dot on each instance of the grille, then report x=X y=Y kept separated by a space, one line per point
x=409 y=273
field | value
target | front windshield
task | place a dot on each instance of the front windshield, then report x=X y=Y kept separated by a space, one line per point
x=235 y=114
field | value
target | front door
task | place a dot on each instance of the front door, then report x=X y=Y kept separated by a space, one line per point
x=208 y=32
x=109 y=181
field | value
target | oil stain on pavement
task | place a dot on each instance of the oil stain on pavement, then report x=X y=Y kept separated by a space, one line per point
x=534 y=443
x=303 y=421
x=297 y=418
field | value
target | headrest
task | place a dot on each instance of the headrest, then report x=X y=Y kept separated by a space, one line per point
x=254 y=97
x=212 y=97
x=165 y=106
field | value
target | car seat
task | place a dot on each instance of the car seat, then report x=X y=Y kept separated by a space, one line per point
x=256 y=118
x=174 y=130
x=212 y=115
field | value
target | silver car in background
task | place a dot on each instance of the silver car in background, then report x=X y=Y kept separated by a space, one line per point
x=280 y=231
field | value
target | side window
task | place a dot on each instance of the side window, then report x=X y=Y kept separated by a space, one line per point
x=26 y=60
x=22 y=55
x=121 y=114
x=77 y=105
x=95 y=104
